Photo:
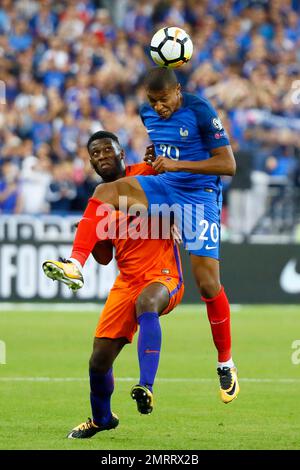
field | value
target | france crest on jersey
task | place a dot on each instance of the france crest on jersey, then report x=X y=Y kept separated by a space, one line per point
x=188 y=134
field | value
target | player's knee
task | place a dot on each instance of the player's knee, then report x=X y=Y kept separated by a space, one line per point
x=100 y=363
x=107 y=192
x=209 y=287
x=147 y=303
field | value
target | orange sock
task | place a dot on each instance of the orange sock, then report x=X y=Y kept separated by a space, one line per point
x=218 y=312
x=91 y=228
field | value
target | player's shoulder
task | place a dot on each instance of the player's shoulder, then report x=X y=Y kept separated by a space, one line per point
x=144 y=109
x=198 y=104
x=145 y=112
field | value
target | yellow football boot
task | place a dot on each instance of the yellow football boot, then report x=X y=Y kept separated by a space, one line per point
x=64 y=271
x=229 y=385
x=89 y=428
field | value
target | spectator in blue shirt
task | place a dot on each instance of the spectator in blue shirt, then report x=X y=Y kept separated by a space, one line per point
x=10 y=200
x=20 y=39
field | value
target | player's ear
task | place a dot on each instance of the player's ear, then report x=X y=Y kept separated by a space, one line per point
x=178 y=88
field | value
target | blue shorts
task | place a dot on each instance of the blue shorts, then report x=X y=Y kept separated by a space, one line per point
x=197 y=212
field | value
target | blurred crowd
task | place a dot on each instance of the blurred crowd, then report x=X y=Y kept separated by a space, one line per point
x=69 y=68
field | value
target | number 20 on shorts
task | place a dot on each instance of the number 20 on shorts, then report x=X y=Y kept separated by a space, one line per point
x=209 y=229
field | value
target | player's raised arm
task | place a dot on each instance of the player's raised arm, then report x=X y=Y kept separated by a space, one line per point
x=103 y=251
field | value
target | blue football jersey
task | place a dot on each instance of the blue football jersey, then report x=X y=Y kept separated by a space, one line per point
x=188 y=134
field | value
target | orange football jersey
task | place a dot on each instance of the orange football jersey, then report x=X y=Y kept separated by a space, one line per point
x=141 y=259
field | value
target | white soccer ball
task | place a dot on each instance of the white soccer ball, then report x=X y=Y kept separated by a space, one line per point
x=171 y=47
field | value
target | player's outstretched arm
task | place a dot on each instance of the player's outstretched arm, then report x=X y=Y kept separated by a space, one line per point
x=221 y=162
x=103 y=252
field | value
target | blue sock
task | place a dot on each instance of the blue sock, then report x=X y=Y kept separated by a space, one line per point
x=102 y=387
x=149 y=344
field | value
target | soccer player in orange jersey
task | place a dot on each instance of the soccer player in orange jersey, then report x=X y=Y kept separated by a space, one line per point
x=150 y=284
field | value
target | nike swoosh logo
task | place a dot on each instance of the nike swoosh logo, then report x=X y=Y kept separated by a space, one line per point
x=289 y=278
x=231 y=392
x=218 y=322
x=150 y=130
x=207 y=247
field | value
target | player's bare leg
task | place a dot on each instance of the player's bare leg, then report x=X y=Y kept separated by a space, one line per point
x=104 y=353
x=151 y=302
x=207 y=274
x=106 y=198
x=127 y=186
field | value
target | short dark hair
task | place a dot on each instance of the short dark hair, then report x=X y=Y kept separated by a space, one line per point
x=159 y=78
x=102 y=135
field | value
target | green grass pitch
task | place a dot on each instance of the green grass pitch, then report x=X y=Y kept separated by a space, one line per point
x=37 y=414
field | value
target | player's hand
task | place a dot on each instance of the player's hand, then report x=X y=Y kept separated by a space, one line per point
x=176 y=235
x=150 y=154
x=163 y=164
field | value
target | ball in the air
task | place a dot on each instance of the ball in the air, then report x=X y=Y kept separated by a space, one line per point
x=171 y=47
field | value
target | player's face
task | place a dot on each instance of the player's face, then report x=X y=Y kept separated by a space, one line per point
x=107 y=159
x=165 y=102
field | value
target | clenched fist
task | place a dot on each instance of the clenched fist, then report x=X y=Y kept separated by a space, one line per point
x=162 y=164
x=150 y=154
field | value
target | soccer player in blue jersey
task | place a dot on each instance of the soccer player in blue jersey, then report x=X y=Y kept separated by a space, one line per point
x=193 y=151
